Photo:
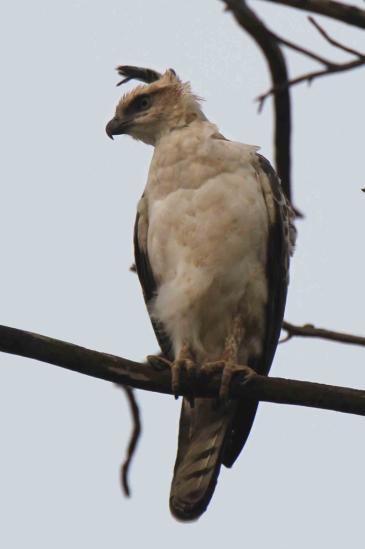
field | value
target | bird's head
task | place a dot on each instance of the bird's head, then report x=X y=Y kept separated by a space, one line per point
x=152 y=110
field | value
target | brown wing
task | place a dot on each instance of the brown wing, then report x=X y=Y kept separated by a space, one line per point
x=281 y=239
x=148 y=283
x=281 y=242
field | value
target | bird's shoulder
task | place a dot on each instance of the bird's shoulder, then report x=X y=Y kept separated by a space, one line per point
x=278 y=206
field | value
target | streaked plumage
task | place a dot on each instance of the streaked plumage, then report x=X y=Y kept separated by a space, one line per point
x=213 y=236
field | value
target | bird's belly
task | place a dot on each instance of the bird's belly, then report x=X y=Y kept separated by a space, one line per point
x=207 y=249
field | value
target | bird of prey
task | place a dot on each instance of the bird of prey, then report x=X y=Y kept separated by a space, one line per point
x=213 y=236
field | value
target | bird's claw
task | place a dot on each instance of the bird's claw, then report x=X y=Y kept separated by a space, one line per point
x=176 y=368
x=229 y=370
x=158 y=362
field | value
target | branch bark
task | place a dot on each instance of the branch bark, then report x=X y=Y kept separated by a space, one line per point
x=310 y=76
x=308 y=330
x=335 y=10
x=135 y=436
x=330 y=67
x=158 y=379
x=331 y=40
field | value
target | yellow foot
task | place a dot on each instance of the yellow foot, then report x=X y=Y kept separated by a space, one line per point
x=229 y=370
x=176 y=367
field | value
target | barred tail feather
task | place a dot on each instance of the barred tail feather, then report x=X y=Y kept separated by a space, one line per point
x=203 y=430
x=208 y=436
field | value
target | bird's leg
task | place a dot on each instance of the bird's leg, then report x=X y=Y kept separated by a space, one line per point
x=228 y=363
x=184 y=360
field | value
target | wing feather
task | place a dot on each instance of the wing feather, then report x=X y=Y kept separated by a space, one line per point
x=281 y=242
x=147 y=279
x=281 y=239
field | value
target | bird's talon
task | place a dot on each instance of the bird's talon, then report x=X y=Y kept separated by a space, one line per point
x=229 y=370
x=158 y=362
x=227 y=374
x=247 y=372
x=191 y=401
x=190 y=368
x=175 y=378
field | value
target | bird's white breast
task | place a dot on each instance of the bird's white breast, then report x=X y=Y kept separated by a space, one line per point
x=207 y=238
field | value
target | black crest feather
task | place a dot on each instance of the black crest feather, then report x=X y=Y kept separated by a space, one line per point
x=137 y=73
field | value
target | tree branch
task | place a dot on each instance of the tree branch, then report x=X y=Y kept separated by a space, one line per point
x=158 y=379
x=135 y=436
x=274 y=56
x=308 y=330
x=310 y=76
x=331 y=40
x=302 y=50
x=330 y=67
x=336 y=10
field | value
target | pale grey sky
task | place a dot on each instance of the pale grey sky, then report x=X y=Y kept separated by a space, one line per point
x=67 y=211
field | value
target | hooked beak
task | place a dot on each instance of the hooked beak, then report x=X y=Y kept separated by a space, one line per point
x=116 y=126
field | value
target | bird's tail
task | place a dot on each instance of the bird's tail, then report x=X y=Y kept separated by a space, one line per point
x=205 y=436
x=202 y=433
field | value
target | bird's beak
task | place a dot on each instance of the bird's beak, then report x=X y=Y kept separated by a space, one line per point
x=116 y=126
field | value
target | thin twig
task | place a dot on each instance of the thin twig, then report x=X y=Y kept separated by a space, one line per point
x=310 y=76
x=158 y=379
x=331 y=40
x=330 y=67
x=133 y=441
x=335 y=10
x=308 y=330
x=302 y=50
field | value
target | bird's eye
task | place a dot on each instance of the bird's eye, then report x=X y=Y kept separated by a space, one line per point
x=143 y=102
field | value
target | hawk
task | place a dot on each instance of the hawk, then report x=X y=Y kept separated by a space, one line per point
x=213 y=236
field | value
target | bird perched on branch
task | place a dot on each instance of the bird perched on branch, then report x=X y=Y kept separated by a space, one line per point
x=213 y=236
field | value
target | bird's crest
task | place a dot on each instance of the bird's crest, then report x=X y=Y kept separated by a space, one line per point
x=153 y=81
x=139 y=73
